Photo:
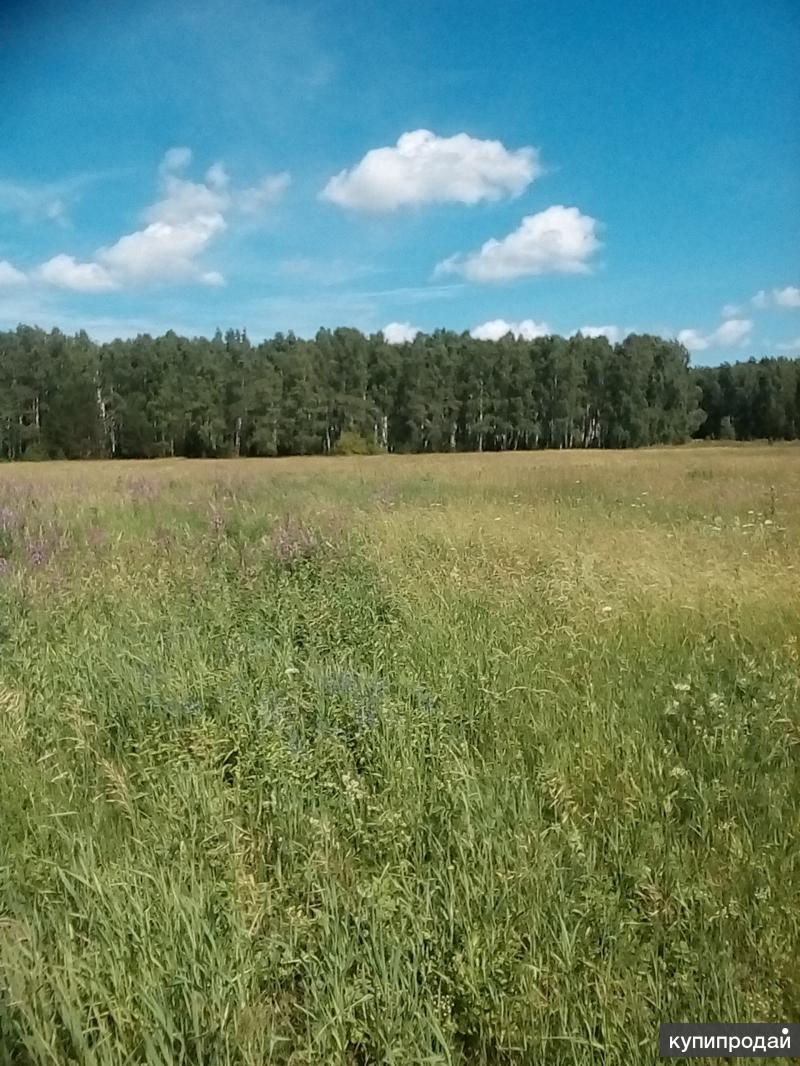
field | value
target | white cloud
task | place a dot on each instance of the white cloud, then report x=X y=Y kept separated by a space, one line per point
x=790 y=346
x=212 y=277
x=32 y=203
x=732 y=311
x=423 y=168
x=184 y=201
x=9 y=275
x=693 y=340
x=164 y=251
x=253 y=200
x=732 y=332
x=65 y=273
x=179 y=228
x=613 y=334
x=175 y=159
x=399 y=333
x=557 y=240
x=786 y=297
x=320 y=271
x=760 y=300
x=526 y=330
x=414 y=294
x=217 y=176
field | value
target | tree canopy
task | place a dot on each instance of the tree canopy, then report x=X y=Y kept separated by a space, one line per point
x=69 y=397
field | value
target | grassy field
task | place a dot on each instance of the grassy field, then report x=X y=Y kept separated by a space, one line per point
x=449 y=759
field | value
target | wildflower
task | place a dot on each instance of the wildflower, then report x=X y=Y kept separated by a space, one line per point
x=37 y=551
x=95 y=536
x=163 y=538
x=141 y=489
x=352 y=786
x=681 y=686
x=294 y=542
x=8 y=519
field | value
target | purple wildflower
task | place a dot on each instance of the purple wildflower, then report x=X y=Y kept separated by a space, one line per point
x=8 y=519
x=164 y=539
x=95 y=537
x=38 y=551
x=294 y=542
x=140 y=489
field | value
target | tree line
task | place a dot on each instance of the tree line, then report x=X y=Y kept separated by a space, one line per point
x=69 y=397
x=750 y=401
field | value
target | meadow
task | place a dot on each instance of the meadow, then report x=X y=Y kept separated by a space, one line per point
x=471 y=759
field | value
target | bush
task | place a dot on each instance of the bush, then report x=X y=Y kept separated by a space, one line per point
x=37 y=453
x=726 y=430
x=352 y=443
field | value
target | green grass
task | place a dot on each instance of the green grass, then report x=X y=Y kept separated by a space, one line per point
x=472 y=759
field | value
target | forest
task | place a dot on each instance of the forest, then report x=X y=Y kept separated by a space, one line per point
x=69 y=397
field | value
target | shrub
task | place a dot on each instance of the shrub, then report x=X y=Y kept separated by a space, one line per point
x=352 y=443
x=726 y=430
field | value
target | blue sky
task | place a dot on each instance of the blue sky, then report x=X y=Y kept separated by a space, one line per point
x=551 y=165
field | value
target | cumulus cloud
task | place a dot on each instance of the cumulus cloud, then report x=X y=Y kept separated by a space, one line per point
x=178 y=229
x=399 y=333
x=9 y=275
x=613 y=334
x=185 y=201
x=423 y=168
x=790 y=346
x=732 y=311
x=789 y=296
x=164 y=251
x=65 y=272
x=557 y=240
x=732 y=332
x=526 y=330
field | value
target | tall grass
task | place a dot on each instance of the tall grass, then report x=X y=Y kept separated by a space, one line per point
x=476 y=759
